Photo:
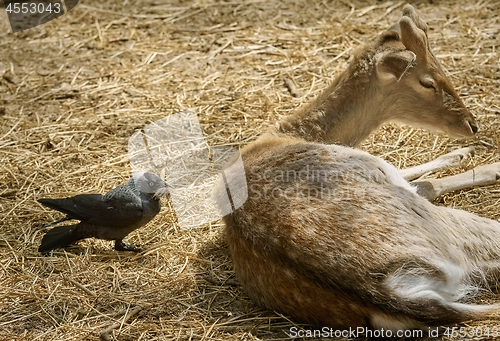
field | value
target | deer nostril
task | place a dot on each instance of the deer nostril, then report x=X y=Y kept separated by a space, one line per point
x=473 y=127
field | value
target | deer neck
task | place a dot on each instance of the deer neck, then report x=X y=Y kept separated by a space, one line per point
x=345 y=113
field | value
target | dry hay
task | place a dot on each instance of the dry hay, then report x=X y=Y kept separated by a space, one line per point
x=74 y=90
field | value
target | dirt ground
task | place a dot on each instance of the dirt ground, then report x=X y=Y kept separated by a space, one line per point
x=74 y=90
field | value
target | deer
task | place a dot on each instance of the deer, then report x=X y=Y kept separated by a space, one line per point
x=333 y=236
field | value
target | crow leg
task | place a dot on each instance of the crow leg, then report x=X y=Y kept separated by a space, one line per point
x=120 y=245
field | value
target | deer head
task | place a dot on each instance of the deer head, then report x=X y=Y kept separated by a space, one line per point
x=416 y=88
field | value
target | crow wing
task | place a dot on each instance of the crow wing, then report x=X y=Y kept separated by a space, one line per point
x=117 y=211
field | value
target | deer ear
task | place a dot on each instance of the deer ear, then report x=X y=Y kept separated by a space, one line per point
x=394 y=64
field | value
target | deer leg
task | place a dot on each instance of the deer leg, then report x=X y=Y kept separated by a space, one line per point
x=452 y=159
x=480 y=176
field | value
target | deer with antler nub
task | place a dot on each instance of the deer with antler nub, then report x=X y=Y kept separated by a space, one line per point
x=334 y=236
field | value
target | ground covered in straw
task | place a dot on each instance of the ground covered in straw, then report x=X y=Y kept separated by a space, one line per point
x=74 y=90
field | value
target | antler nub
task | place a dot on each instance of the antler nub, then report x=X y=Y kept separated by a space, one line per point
x=409 y=11
x=413 y=37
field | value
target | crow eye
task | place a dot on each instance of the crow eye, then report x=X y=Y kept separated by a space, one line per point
x=151 y=183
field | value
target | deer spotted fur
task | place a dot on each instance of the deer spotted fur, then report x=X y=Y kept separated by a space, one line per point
x=334 y=236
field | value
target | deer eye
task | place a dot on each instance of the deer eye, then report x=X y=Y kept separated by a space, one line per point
x=427 y=83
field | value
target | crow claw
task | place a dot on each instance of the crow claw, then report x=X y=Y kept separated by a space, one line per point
x=120 y=245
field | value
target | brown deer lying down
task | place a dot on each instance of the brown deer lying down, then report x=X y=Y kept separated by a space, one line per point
x=334 y=236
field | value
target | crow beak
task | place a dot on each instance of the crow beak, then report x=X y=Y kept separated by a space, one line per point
x=161 y=192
